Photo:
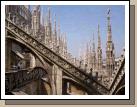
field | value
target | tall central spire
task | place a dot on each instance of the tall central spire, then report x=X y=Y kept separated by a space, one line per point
x=109 y=36
x=110 y=56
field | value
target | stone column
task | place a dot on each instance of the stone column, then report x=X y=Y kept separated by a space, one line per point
x=59 y=81
x=32 y=61
x=53 y=82
x=56 y=80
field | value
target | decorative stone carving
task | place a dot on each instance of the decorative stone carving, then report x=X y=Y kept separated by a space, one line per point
x=18 y=79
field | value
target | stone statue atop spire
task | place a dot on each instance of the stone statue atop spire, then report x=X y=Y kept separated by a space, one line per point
x=109 y=37
x=36 y=7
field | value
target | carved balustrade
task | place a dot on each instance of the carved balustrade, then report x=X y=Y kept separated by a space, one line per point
x=18 y=78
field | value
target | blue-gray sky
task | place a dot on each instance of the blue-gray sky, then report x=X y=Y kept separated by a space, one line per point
x=79 y=23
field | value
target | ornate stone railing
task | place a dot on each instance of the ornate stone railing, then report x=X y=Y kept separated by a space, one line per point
x=17 y=33
x=118 y=74
x=18 y=78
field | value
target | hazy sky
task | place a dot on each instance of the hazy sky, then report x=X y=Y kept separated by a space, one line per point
x=79 y=23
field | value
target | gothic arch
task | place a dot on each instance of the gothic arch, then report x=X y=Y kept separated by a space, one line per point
x=31 y=49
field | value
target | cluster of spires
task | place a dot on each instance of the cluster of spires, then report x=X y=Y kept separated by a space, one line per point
x=49 y=35
x=88 y=58
x=55 y=40
x=92 y=58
